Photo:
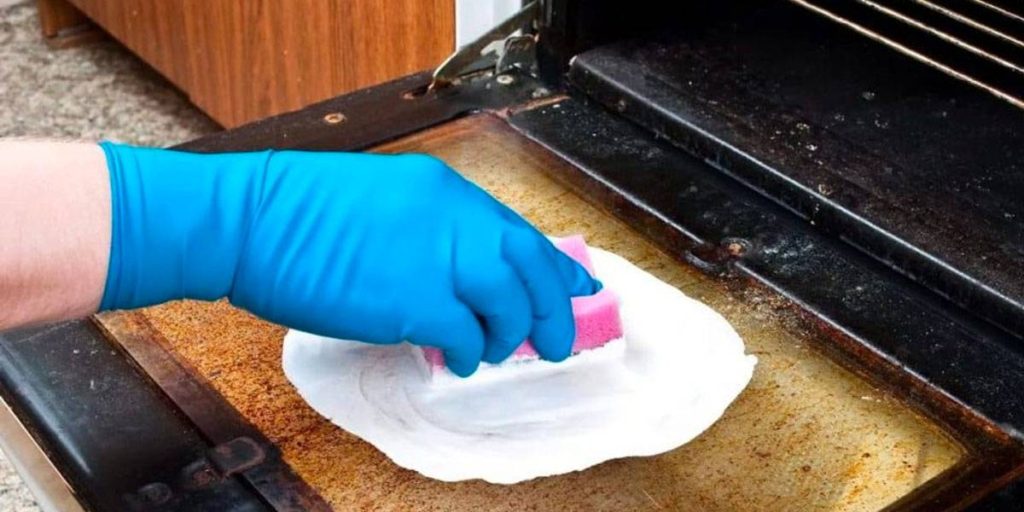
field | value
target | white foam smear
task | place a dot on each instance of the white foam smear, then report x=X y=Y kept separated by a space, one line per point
x=678 y=367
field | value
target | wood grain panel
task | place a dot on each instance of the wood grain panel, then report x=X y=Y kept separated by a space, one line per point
x=242 y=61
x=257 y=58
x=150 y=28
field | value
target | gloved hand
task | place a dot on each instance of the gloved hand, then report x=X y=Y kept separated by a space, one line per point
x=359 y=246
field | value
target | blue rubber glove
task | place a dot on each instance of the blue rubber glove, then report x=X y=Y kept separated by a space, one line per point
x=359 y=246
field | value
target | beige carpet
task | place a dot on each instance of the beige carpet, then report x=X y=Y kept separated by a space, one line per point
x=92 y=92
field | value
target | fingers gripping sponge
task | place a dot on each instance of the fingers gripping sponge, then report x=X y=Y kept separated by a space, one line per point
x=596 y=317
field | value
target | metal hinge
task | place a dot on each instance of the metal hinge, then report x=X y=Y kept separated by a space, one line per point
x=218 y=464
x=224 y=460
x=511 y=51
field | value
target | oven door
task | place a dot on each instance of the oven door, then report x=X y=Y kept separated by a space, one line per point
x=855 y=404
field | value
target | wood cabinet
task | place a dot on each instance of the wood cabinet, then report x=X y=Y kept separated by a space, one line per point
x=240 y=60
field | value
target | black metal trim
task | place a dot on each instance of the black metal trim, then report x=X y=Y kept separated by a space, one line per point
x=114 y=436
x=372 y=116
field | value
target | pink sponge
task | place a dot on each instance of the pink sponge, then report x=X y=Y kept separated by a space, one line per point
x=596 y=316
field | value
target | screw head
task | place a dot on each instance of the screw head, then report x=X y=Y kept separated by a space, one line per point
x=334 y=118
x=155 y=493
x=505 y=79
x=204 y=477
x=736 y=247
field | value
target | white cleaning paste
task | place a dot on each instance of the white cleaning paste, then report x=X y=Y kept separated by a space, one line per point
x=678 y=367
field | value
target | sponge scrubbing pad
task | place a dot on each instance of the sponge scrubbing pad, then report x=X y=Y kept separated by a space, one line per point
x=596 y=316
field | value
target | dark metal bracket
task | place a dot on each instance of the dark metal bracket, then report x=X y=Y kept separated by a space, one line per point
x=514 y=49
x=220 y=463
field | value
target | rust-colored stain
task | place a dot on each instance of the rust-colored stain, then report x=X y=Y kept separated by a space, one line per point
x=806 y=434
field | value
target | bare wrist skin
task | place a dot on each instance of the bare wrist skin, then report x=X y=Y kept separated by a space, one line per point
x=54 y=231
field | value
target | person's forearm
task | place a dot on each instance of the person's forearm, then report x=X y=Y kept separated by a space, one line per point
x=54 y=231
x=376 y=248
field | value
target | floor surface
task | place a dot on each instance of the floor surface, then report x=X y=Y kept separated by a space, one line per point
x=90 y=92
x=93 y=92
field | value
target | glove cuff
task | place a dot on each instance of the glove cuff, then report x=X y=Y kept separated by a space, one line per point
x=179 y=222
